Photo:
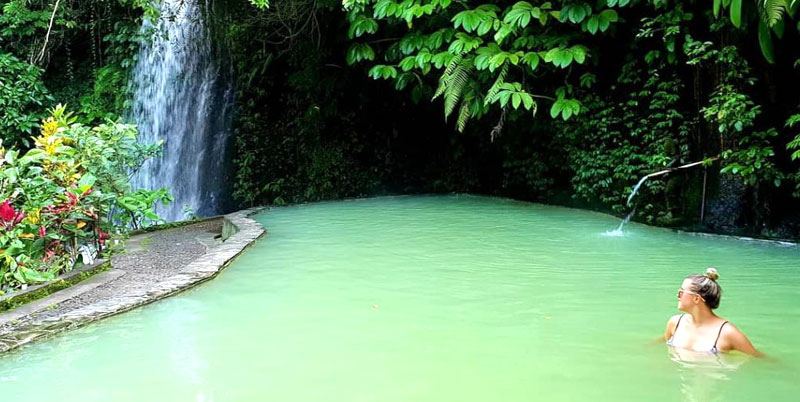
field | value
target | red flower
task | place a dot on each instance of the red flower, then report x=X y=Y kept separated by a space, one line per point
x=7 y=212
x=42 y=231
x=87 y=192
x=102 y=236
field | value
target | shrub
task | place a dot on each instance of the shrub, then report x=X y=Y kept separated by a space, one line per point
x=62 y=198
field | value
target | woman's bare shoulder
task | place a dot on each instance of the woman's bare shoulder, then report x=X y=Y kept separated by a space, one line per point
x=672 y=322
x=735 y=339
x=674 y=319
x=730 y=330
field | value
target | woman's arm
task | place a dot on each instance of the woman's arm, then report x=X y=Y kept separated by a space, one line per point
x=671 y=324
x=738 y=341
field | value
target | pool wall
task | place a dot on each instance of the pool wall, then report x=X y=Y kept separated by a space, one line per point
x=241 y=233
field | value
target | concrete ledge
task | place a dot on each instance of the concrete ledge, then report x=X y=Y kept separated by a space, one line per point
x=60 y=296
x=17 y=299
x=204 y=268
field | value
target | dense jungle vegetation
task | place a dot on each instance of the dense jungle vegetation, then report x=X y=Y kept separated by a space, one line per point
x=568 y=102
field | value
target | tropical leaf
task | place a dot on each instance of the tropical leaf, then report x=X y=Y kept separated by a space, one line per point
x=382 y=71
x=495 y=88
x=765 y=40
x=453 y=82
x=359 y=52
x=771 y=11
x=736 y=13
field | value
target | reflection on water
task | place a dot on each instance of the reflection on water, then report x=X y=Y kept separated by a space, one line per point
x=703 y=373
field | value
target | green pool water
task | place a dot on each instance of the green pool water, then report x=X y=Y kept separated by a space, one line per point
x=441 y=298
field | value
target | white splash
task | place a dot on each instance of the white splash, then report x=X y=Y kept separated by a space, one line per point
x=618 y=231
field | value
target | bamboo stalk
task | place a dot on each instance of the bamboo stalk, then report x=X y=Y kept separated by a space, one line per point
x=703 y=203
x=665 y=171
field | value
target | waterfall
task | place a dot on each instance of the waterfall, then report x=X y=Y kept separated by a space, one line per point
x=618 y=232
x=181 y=96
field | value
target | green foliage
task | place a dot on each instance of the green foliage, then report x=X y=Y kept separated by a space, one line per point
x=262 y=4
x=473 y=44
x=615 y=144
x=21 y=95
x=66 y=195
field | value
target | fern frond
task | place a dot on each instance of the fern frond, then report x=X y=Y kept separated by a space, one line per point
x=453 y=92
x=771 y=11
x=495 y=88
x=463 y=116
x=444 y=80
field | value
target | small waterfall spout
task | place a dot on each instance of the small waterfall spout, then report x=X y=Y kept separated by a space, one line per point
x=181 y=97
x=668 y=170
x=636 y=188
x=618 y=232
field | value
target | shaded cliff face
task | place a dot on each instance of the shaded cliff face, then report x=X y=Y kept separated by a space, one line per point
x=183 y=97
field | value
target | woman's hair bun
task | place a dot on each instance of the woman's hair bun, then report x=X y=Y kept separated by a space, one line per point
x=712 y=273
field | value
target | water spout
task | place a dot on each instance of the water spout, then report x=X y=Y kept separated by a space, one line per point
x=618 y=232
x=636 y=188
x=668 y=170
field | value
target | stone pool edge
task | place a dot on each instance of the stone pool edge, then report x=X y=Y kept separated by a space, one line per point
x=202 y=269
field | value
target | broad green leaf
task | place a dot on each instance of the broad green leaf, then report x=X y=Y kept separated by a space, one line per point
x=778 y=28
x=516 y=100
x=579 y=53
x=736 y=13
x=383 y=71
x=527 y=101
x=359 y=52
x=407 y=63
x=503 y=32
x=555 y=110
x=566 y=112
x=86 y=182
x=442 y=59
x=576 y=14
x=592 y=24
x=765 y=40
x=531 y=59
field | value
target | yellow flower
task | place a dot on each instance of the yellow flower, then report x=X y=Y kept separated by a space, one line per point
x=49 y=127
x=27 y=236
x=33 y=217
x=81 y=224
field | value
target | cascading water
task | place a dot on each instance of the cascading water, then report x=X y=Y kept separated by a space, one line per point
x=618 y=232
x=636 y=188
x=182 y=98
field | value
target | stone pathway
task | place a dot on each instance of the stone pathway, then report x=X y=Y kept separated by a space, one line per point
x=155 y=265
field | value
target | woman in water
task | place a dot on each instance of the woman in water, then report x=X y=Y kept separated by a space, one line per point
x=699 y=329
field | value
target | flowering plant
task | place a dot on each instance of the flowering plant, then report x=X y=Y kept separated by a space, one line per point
x=66 y=194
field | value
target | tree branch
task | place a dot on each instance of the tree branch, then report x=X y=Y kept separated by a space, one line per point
x=47 y=36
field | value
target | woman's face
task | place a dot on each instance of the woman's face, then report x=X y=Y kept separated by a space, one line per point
x=686 y=297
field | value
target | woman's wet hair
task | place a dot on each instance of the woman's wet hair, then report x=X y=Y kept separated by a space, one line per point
x=707 y=287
